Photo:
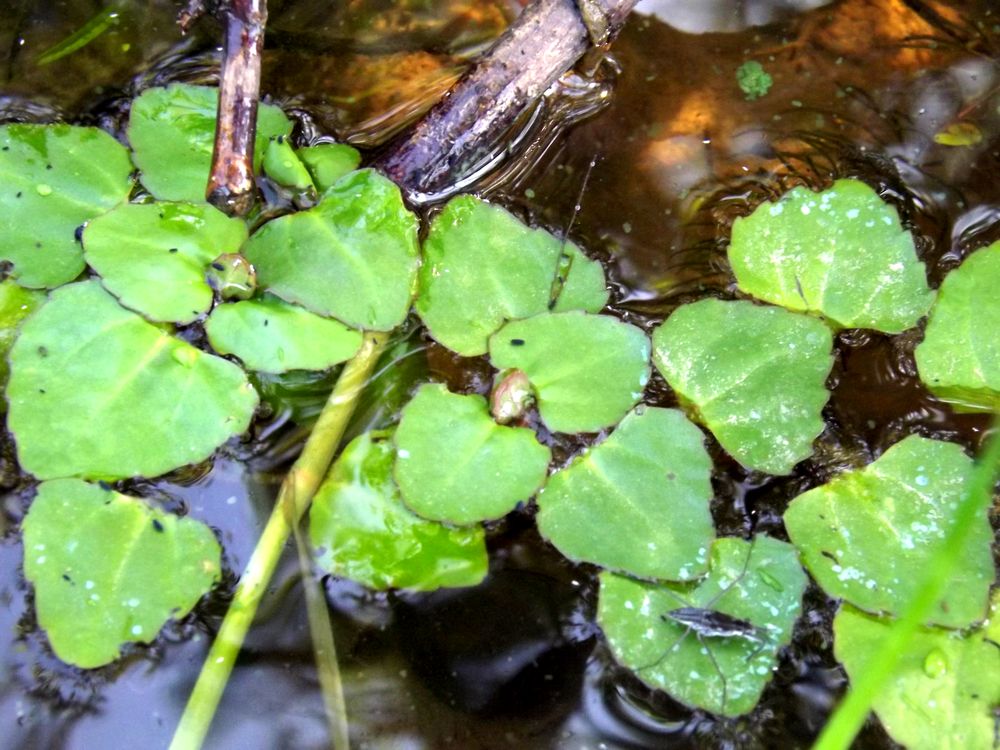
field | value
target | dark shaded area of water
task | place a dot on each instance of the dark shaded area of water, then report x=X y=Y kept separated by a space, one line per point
x=861 y=87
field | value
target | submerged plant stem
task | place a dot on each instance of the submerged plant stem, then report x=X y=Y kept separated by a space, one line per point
x=293 y=499
x=840 y=731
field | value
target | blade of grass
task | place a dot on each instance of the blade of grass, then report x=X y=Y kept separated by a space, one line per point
x=82 y=36
x=850 y=715
x=293 y=499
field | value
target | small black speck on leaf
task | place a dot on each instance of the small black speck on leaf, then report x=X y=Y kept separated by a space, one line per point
x=172 y=250
x=671 y=476
x=6 y=148
x=517 y=342
x=78 y=233
x=41 y=390
x=18 y=194
x=43 y=352
x=104 y=485
x=157 y=525
x=67 y=578
x=48 y=166
x=266 y=321
x=38 y=245
x=218 y=267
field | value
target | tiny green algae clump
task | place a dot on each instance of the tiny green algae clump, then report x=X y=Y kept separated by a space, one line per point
x=753 y=80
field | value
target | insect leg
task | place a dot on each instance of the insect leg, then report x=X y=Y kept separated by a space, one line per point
x=718 y=671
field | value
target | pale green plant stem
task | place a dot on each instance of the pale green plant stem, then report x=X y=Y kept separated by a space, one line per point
x=850 y=715
x=293 y=499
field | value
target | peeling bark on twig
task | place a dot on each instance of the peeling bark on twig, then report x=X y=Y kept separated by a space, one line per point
x=231 y=186
x=463 y=128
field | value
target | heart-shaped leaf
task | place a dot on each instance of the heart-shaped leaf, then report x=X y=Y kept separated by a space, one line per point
x=867 y=535
x=959 y=358
x=97 y=392
x=270 y=335
x=172 y=132
x=353 y=257
x=711 y=644
x=841 y=254
x=328 y=162
x=362 y=531
x=483 y=267
x=637 y=502
x=455 y=464
x=110 y=570
x=153 y=256
x=945 y=688
x=587 y=370
x=54 y=178
x=754 y=375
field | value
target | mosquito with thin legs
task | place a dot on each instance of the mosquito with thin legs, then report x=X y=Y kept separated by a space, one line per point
x=706 y=622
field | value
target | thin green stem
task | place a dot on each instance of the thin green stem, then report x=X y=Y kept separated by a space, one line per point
x=293 y=499
x=846 y=722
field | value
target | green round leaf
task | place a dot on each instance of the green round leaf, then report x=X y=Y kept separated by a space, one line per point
x=868 y=535
x=353 y=257
x=841 y=254
x=945 y=689
x=16 y=303
x=110 y=570
x=283 y=165
x=638 y=501
x=53 y=178
x=754 y=375
x=587 y=370
x=273 y=336
x=959 y=358
x=97 y=392
x=172 y=132
x=362 y=531
x=153 y=256
x=759 y=583
x=482 y=267
x=455 y=464
x=328 y=162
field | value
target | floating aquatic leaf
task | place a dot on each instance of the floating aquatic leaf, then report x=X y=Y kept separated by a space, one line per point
x=172 y=132
x=945 y=689
x=867 y=535
x=270 y=335
x=353 y=257
x=758 y=583
x=361 y=530
x=482 y=267
x=753 y=375
x=109 y=570
x=587 y=370
x=637 y=502
x=54 y=178
x=283 y=166
x=328 y=162
x=959 y=358
x=455 y=464
x=16 y=303
x=959 y=134
x=97 y=392
x=841 y=254
x=153 y=256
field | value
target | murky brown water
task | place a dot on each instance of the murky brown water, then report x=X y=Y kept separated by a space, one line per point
x=861 y=87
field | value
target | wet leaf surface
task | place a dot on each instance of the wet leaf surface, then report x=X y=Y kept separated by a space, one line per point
x=587 y=370
x=172 y=132
x=109 y=570
x=758 y=583
x=455 y=464
x=361 y=529
x=53 y=178
x=868 y=535
x=841 y=254
x=353 y=257
x=754 y=375
x=97 y=392
x=946 y=688
x=482 y=267
x=154 y=256
x=270 y=335
x=636 y=503
x=959 y=358
x=328 y=162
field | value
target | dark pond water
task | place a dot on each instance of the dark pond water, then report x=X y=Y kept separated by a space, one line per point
x=669 y=155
